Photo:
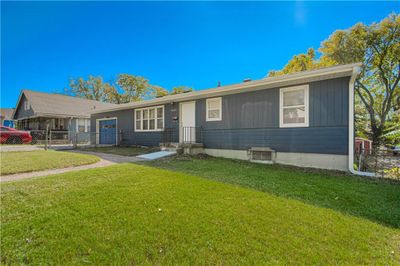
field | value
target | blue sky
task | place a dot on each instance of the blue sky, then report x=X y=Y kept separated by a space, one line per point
x=197 y=44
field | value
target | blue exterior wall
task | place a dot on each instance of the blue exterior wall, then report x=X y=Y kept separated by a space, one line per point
x=125 y=126
x=251 y=119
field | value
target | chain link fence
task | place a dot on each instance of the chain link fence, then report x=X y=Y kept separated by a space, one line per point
x=383 y=162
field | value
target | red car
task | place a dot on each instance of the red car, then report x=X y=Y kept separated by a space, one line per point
x=10 y=135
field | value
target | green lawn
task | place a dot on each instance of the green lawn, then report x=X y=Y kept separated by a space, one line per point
x=29 y=161
x=132 y=214
x=125 y=151
x=378 y=201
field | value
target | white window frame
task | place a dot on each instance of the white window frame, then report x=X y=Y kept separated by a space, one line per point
x=219 y=108
x=85 y=125
x=148 y=119
x=305 y=88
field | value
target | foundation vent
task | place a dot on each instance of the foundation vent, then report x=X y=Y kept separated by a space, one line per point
x=262 y=154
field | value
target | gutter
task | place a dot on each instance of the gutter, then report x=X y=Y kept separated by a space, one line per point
x=351 y=126
x=266 y=83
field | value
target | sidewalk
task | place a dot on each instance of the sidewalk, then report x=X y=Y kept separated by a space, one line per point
x=105 y=160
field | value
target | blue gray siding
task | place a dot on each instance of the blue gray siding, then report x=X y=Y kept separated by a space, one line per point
x=252 y=119
x=20 y=112
x=126 y=126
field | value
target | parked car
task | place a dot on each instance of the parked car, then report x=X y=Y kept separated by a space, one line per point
x=395 y=150
x=10 y=135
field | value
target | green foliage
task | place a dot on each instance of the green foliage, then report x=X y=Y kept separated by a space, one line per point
x=92 y=88
x=127 y=88
x=137 y=215
x=158 y=92
x=180 y=89
x=298 y=63
x=135 y=88
x=377 y=46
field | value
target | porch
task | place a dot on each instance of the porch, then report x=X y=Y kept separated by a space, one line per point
x=43 y=123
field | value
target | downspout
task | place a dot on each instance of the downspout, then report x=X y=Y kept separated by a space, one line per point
x=351 y=126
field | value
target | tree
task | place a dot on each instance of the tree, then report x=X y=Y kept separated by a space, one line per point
x=127 y=88
x=378 y=47
x=92 y=88
x=135 y=88
x=180 y=89
x=298 y=63
x=158 y=91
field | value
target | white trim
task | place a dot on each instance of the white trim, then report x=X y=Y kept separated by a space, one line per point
x=305 y=88
x=98 y=132
x=262 y=84
x=155 y=118
x=351 y=127
x=85 y=124
x=219 y=108
x=313 y=160
x=180 y=119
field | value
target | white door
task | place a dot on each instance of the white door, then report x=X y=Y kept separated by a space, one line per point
x=187 y=129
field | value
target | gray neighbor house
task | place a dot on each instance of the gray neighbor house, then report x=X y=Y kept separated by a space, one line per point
x=57 y=112
x=303 y=119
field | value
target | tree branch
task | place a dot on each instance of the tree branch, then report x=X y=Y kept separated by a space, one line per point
x=369 y=106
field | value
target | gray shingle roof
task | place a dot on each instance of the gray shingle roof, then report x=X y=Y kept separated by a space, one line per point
x=63 y=105
x=6 y=113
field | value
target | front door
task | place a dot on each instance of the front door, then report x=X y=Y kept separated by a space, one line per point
x=108 y=131
x=187 y=129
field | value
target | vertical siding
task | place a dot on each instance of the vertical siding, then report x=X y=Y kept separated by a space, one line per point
x=252 y=119
x=126 y=125
x=20 y=112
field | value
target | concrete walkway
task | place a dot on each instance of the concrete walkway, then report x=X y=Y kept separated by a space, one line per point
x=10 y=148
x=105 y=160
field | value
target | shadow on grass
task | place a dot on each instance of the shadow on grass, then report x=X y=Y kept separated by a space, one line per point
x=376 y=200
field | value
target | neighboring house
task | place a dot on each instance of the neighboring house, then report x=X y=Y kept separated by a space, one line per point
x=363 y=146
x=6 y=117
x=304 y=119
x=57 y=112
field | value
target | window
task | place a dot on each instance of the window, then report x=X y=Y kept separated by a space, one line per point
x=149 y=119
x=81 y=125
x=294 y=106
x=26 y=104
x=214 y=109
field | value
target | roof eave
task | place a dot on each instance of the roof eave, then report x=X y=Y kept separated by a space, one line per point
x=306 y=76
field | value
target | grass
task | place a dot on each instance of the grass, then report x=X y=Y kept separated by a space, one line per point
x=30 y=161
x=134 y=214
x=376 y=200
x=125 y=151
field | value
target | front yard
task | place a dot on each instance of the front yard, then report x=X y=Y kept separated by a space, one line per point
x=376 y=200
x=125 y=151
x=30 y=161
x=135 y=214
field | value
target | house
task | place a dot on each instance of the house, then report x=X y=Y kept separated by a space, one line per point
x=38 y=110
x=6 y=117
x=304 y=119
